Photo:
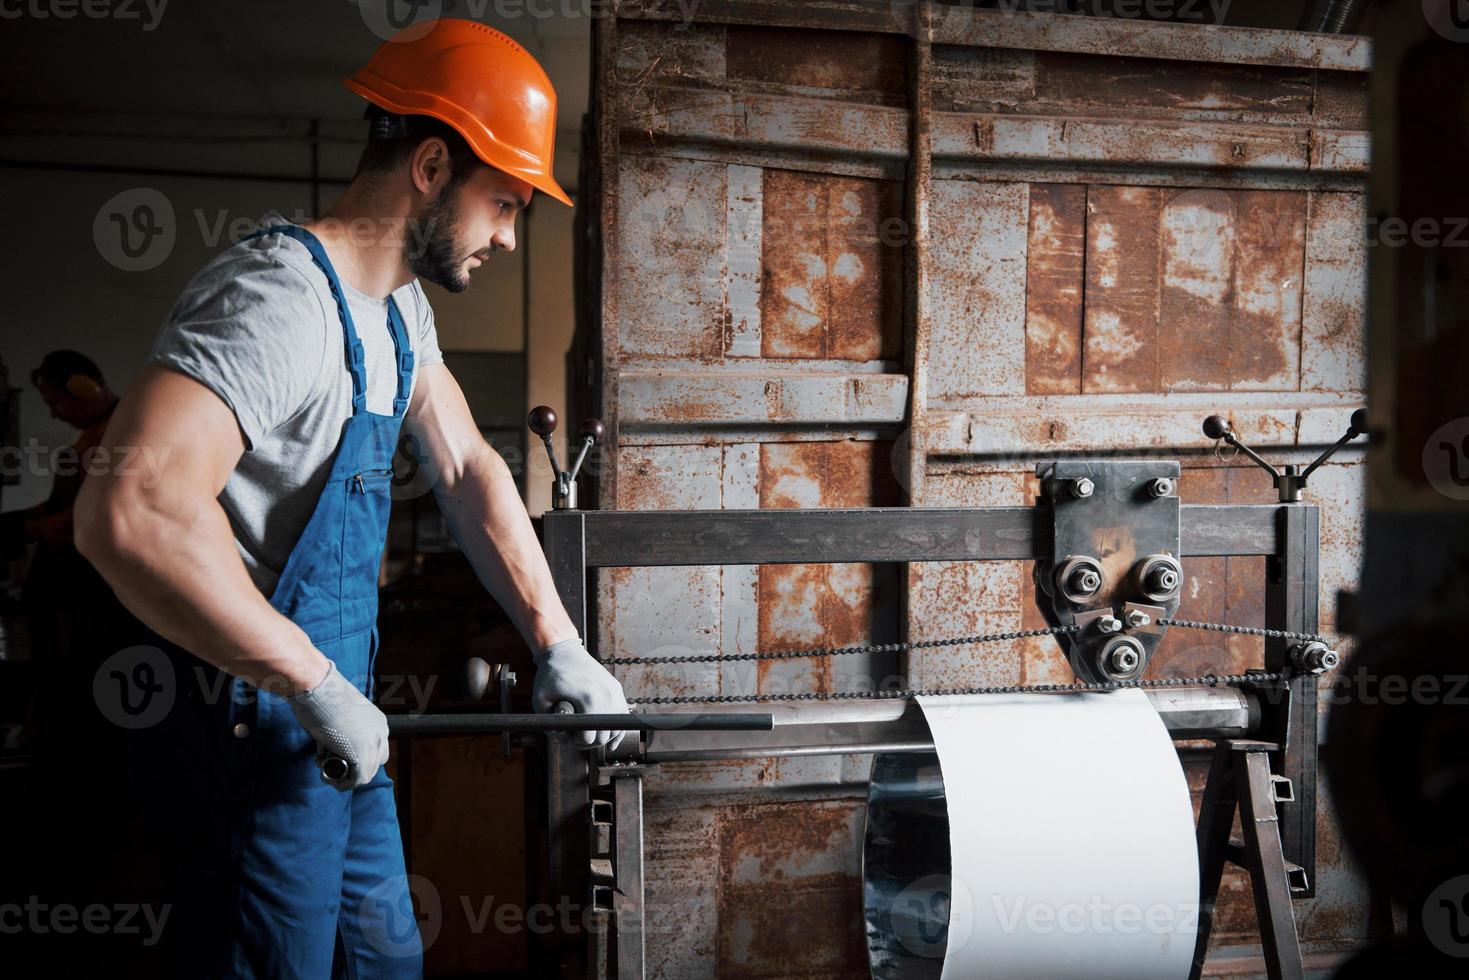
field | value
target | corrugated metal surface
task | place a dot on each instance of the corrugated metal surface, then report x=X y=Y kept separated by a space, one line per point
x=1084 y=253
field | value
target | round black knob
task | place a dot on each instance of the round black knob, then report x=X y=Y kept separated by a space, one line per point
x=542 y=420
x=1359 y=420
x=1215 y=426
x=594 y=430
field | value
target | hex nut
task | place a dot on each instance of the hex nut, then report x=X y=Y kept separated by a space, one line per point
x=1161 y=487
x=1082 y=487
x=1136 y=618
x=1109 y=624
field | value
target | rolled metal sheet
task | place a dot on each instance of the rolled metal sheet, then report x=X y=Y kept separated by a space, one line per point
x=1047 y=835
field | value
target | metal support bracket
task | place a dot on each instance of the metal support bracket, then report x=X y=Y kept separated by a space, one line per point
x=1114 y=567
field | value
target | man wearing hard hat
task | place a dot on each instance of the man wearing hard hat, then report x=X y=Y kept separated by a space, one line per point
x=277 y=391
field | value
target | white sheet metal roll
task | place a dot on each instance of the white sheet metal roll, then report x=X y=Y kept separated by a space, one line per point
x=1050 y=835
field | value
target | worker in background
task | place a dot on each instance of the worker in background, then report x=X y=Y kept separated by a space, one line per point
x=70 y=610
x=276 y=393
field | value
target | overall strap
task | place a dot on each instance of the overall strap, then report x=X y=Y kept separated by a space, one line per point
x=356 y=357
x=405 y=358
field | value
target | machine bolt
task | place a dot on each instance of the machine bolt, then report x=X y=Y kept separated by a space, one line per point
x=1122 y=655
x=1161 y=487
x=1109 y=624
x=1137 y=619
x=1085 y=582
x=1162 y=580
x=1124 y=660
x=1315 y=657
x=1082 y=487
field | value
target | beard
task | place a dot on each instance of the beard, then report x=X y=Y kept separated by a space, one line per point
x=431 y=245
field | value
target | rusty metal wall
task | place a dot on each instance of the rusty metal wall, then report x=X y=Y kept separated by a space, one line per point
x=870 y=254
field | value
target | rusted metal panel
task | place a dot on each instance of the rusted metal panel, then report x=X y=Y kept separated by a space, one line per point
x=1121 y=350
x=744 y=225
x=1230 y=298
x=1121 y=37
x=1333 y=329
x=826 y=604
x=977 y=290
x=752 y=120
x=780 y=395
x=1269 y=264
x=873 y=65
x=947 y=599
x=1096 y=84
x=811 y=853
x=671 y=269
x=1010 y=428
x=1193 y=290
x=1055 y=264
x=963 y=24
x=650 y=51
x=682 y=914
x=832 y=267
x=1129 y=142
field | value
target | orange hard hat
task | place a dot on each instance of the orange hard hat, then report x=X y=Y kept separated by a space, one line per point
x=481 y=82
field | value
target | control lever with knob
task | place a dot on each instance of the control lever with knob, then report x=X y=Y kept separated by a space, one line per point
x=1288 y=482
x=542 y=421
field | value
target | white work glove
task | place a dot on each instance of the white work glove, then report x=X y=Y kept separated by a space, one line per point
x=346 y=726
x=566 y=672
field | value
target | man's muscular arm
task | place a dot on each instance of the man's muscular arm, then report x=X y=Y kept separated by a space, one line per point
x=482 y=505
x=479 y=499
x=157 y=533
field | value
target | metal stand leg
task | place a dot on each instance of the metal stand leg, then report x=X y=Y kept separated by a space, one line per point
x=627 y=897
x=617 y=946
x=1240 y=779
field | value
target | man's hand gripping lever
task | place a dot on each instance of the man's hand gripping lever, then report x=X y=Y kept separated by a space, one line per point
x=351 y=733
x=569 y=679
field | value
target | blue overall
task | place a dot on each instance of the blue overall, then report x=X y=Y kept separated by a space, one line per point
x=282 y=873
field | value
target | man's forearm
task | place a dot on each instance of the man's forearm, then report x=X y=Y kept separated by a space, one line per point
x=488 y=520
x=176 y=567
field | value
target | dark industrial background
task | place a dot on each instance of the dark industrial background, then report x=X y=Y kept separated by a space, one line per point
x=812 y=264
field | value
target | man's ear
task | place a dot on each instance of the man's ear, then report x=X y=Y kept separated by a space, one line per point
x=429 y=167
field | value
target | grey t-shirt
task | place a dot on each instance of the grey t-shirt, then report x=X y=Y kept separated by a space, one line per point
x=259 y=327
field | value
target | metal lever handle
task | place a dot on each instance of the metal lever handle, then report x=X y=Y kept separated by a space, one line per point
x=542 y=421
x=1288 y=483
x=1355 y=428
x=563 y=719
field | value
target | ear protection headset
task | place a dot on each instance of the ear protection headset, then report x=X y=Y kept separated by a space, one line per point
x=83 y=388
x=82 y=378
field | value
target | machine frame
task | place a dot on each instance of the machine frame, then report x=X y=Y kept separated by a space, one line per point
x=591 y=817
